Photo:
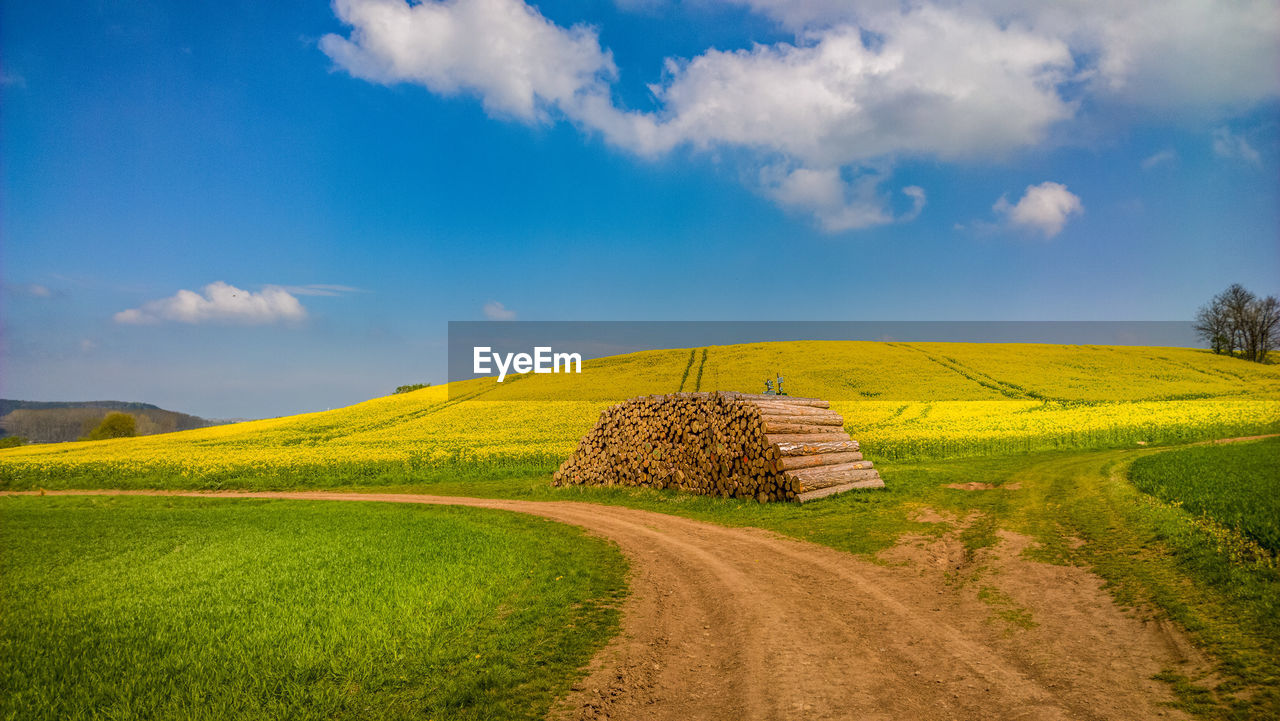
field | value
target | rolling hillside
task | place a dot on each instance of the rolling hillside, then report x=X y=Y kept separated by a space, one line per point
x=902 y=400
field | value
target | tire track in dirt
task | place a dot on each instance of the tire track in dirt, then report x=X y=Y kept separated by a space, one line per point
x=741 y=623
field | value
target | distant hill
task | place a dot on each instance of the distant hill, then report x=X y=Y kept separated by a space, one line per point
x=7 y=406
x=58 y=421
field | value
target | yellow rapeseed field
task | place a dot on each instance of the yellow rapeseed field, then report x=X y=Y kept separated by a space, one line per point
x=902 y=400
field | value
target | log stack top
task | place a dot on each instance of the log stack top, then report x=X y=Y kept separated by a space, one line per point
x=769 y=447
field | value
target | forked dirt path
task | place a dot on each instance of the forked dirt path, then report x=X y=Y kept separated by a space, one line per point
x=740 y=624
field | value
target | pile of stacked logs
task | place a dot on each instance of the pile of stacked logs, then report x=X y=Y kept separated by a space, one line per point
x=766 y=447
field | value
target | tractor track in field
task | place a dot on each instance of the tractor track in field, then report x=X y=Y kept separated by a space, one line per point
x=741 y=623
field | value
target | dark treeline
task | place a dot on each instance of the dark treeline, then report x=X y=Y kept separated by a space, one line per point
x=70 y=421
x=1238 y=323
x=8 y=405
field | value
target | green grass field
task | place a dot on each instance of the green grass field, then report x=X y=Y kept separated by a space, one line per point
x=175 y=608
x=1154 y=555
x=1236 y=485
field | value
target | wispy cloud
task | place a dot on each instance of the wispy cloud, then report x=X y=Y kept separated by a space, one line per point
x=1168 y=156
x=493 y=310
x=28 y=290
x=320 y=289
x=1045 y=208
x=219 y=303
x=836 y=202
x=1227 y=144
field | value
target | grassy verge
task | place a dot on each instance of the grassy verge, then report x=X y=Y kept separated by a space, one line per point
x=1235 y=485
x=231 y=609
x=270 y=476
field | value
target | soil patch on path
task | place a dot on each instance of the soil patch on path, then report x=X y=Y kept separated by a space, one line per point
x=977 y=486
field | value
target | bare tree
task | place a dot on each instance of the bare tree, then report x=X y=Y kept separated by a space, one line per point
x=1266 y=326
x=1237 y=301
x=1237 y=320
x=1214 y=327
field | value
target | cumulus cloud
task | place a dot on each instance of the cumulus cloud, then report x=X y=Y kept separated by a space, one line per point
x=1045 y=208
x=937 y=84
x=1227 y=144
x=219 y=303
x=1164 y=157
x=860 y=86
x=493 y=310
x=1176 y=53
x=504 y=51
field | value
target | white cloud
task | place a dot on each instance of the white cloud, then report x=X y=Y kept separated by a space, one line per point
x=1167 y=156
x=1185 y=54
x=938 y=84
x=319 y=289
x=838 y=203
x=860 y=86
x=493 y=310
x=1045 y=208
x=1176 y=53
x=12 y=80
x=1227 y=144
x=88 y=345
x=517 y=61
x=220 y=303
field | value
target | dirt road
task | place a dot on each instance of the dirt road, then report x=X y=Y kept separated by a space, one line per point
x=733 y=623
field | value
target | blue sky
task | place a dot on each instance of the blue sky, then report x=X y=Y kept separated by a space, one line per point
x=361 y=173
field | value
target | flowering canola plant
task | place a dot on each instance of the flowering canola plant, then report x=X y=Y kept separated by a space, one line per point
x=901 y=400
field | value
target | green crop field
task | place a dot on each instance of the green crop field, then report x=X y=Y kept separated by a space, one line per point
x=177 y=608
x=1236 y=485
